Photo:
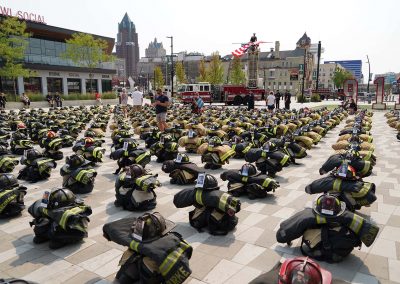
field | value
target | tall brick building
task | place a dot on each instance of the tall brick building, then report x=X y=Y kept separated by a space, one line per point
x=127 y=46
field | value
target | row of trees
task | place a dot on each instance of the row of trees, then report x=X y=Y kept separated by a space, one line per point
x=213 y=73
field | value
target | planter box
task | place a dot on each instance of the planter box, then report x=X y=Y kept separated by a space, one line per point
x=44 y=104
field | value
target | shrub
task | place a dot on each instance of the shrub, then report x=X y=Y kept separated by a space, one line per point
x=315 y=97
x=301 y=99
x=77 y=96
x=109 y=95
x=36 y=97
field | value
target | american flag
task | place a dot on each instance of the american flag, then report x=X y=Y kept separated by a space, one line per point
x=243 y=49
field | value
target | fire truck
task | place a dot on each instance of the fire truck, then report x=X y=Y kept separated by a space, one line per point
x=228 y=94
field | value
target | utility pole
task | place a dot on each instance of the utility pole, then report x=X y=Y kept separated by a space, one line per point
x=172 y=64
x=319 y=58
x=369 y=73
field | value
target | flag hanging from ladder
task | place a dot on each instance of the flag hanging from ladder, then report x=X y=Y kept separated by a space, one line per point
x=243 y=49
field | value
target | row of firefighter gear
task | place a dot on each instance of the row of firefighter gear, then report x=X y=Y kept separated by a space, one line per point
x=331 y=229
x=393 y=120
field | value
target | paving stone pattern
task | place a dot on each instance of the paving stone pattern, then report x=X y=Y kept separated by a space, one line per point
x=238 y=257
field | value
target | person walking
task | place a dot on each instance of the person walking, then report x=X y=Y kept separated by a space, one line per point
x=277 y=99
x=287 y=98
x=271 y=102
x=3 y=101
x=124 y=101
x=161 y=104
x=250 y=102
x=137 y=99
x=97 y=96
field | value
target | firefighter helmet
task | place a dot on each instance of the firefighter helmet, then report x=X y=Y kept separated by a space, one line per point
x=136 y=170
x=51 y=134
x=150 y=227
x=89 y=141
x=207 y=182
x=75 y=160
x=303 y=270
x=90 y=133
x=215 y=141
x=328 y=205
x=61 y=197
x=166 y=138
x=182 y=158
x=21 y=125
x=248 y=170
x=7 y=181
x=3 y=150
x=33 y=154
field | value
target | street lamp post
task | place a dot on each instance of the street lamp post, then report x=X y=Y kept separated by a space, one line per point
x=172 y=64
x=369 y=73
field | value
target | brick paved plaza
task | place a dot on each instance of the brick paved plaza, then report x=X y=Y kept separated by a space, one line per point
x=236 y=258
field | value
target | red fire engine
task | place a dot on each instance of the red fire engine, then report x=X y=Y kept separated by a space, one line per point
x=227 y=94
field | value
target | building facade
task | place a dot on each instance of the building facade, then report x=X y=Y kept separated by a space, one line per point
x=390 y=77
x=127 y=46
x=353 y=66
x=155 y=49
x=326 y=74
x=54 y=73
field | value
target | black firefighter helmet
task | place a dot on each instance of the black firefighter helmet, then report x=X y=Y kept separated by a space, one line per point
x=61 y=197
x=7 y=181
x=207 y=182
x=75 y=161
x=248 y=170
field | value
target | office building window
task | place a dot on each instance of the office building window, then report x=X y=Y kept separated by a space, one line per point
x=91 y=85
x=54 y=85
x=74 y=86
x=107 y=86
x=284 y=83
x=33 y=84
x=7 y=85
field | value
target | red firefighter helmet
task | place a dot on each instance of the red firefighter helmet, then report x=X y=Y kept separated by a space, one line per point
x=21 y=125
x=51 y=134
x=301 y=270
x=89 y=141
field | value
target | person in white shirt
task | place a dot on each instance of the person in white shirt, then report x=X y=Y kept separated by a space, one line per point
x=271 y=102
x=137 y=99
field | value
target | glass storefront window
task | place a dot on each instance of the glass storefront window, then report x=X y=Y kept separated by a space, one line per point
x=74 y=85
x=91 y=85
x=33 y=84
x=54 y=85
x=7 y=85
x=106 y=85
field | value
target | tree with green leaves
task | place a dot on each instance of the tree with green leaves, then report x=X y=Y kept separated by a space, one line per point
x=13 y=42
x=215 y=71
x=340 y=76
x=158 y=78
x=237 y=75
x=180 y=72
x=202 y=71
x=86 y=51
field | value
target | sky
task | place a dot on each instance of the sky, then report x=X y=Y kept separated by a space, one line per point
x=348 y=30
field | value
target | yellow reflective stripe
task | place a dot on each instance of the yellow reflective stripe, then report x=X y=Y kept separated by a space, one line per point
x=68 y=213
x=336 y=185
x=368 y=156
x=199 y=198
x=263 y=154
x=245 y=179
x=320 y=219
x=356 y=223
x=262 y=138
x=234 y=147
x=82 y=172
x=227 y=155
x=246 y=149
x=173 y=146
x=363 y=191
x=134 y=245
x=54 y=141
x=122 y=176
x=172 y=258
x=139 y=181
x=5 y=202
x=4 y=160
x=366 y=167
x=222 y=201
x=284 y=160
x=141 y=157
x=266 y=182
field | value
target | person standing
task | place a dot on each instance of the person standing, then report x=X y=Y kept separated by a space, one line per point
x=3 y=101
x=124 y=101
x=161 y=104
x=271 y=102
x=250 y=102
x=137 y=99
x=287 y=98
x=97 y=96
x=58 y=99
x=277 y=99
x=50 y=100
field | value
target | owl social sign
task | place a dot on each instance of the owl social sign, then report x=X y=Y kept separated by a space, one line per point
x=22 y=15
